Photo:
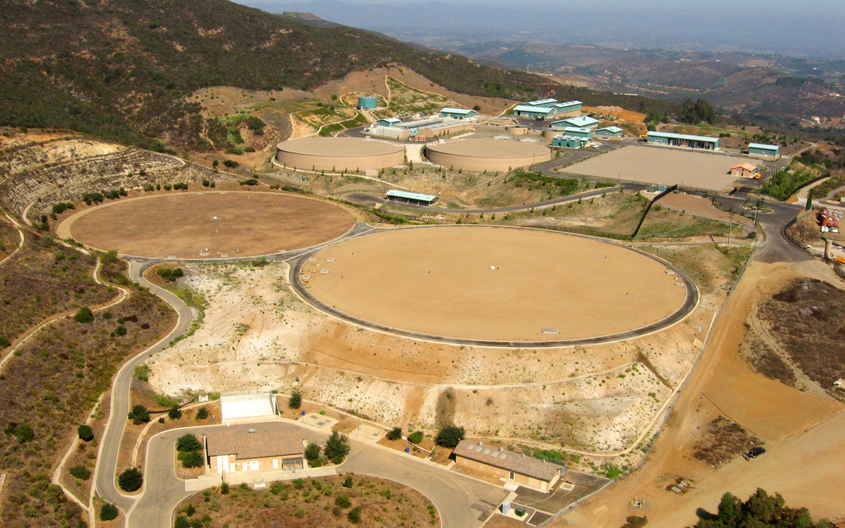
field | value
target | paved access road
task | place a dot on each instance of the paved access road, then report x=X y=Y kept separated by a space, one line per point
x=461 y=501
x=110 y=445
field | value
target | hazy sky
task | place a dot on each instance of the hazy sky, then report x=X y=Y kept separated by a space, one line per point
x=795 y=27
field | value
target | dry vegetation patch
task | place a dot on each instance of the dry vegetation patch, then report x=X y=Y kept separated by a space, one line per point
x=44 y=279
x=51 y=387
x=337 y=501
x=805 y=320
x=722 y=441
x=9 y=239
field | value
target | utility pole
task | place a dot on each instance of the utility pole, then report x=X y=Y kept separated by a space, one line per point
x=730 y=228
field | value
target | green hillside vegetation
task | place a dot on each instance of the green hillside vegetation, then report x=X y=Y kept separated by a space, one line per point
x=121 y=69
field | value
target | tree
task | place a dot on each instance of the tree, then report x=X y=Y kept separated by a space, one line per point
x=85 y=433
x=182 y=522
x=342 y=501
x=202 y=413
x=23 y=432
x=131 y=480
x=192 y=459
x=80 y=472
x=337 y=447
x=312 y=452
x=450 y=436
x=139 y=415
x=84 y=315
x=108 y=512
x=224 y=488
x=730 y=509
x=109 y=257
x=174 y=413
x=395 y=433
x=415 y=437
x=698 y=112
x=187 y=443
x=295 y=401
x=354 y=515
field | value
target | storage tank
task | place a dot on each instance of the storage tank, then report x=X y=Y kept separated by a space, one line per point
x=367 y=102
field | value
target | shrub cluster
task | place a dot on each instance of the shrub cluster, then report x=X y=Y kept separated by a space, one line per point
x=190 y=451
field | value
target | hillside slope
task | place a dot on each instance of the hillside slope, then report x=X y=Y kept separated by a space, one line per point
x=121 y=69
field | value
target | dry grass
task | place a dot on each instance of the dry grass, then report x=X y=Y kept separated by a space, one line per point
x=301 y=504
x=51 y=387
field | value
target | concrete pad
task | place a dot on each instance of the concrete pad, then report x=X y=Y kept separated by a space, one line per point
x=368 y=433
x=319 y=421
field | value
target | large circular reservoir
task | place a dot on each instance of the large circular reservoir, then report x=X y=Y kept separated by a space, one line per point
x=338 y=154
x=487 y=154
x=495 y=286
x=208 y=225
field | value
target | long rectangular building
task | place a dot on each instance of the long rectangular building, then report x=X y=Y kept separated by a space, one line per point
x=763 y=151
x=515 y=467
x=682 y=140
x=410 y=197
x=534 y=111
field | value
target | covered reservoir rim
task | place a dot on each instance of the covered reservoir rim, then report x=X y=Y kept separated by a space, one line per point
x=490 y=148
x=339 y=146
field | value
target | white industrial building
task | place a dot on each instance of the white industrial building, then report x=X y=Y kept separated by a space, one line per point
x=247 y=405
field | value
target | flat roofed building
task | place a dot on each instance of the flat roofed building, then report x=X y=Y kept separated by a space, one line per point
x=526 y=471
x=763 y=151
x=585 y=133
x=568 y=109
x=410 y=197
x=683 y=140
x=565 y=141
x=534 y=111
x=389 y=121
x=578 y=122
x=457 y=113
x=247 y=405
x=542 y=102
x=611 y=131
x=262 y=447
x=745 y=170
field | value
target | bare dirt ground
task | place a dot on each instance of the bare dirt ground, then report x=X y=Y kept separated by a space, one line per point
x=497 y=284
x=801 y=431
x=662 y=165
x=256 y=335
x=209 y=224
x=702 y=207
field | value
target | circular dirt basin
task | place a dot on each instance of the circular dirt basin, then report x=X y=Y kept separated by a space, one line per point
x=496 y=285
x=208 y=224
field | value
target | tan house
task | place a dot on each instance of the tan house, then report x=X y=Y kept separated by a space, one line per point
x=516 y=467
x=259 y=447
x=745 y=170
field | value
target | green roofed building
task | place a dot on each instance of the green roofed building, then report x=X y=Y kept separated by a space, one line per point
x=758 y=150
x=566 y=141
x=534 y=111
x=682 y=140
x=457 y=113
x=411 y=197
x=578 y=122
x=611 y=131
x=548 y=103
x=389 y=122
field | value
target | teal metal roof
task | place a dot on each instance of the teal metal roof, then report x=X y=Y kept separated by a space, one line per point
x=568 y=104
x=411 y=196
x=529 y=108
x=455 y=111
x=577 y=129
x=580 y=121
x=391 y=120
x=672 y=135
x=542 y=102
x=763 y=147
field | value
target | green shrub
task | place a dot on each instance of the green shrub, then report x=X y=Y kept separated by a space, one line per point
x=231 y=164
x=312 y=452
x=108 y=512
x=337 y=447
x=84 y=315
x=174 y=414
x=23 y=432
x=415 y=437
x=139 y=415
x=450 y=436
x=192 y=459
x=354 y=515
x=224 y=488
x=187 y=443
x=395 y=433
x=85 y=433
x=202 y=413
x=295 y=401
x=80 y=472
x=130 y=480
x=250 y=182
x=120 y=330
x=342 y=501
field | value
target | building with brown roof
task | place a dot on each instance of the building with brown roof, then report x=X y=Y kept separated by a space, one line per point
x=745 y=170
x=516 y=467
x=258 y=447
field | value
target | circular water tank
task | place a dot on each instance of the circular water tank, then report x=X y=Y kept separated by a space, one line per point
x=368 y=102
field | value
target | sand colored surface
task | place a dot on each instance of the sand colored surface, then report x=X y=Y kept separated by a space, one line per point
x=440 y=281
x=184 y=225
x=487 y=154
x=662 y=165
x=339 y=153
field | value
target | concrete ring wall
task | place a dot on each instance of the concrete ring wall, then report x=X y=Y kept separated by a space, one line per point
x=337 y=154
x=487 y=154
x=479 y=163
